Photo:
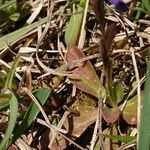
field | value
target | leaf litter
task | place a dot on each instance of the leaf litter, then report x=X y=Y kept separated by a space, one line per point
x=74 y=79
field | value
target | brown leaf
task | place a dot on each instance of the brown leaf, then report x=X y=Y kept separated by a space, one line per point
x=76 y=125
x=110 y=115
x=59 y=142
x=130 y=112
x=86 y=78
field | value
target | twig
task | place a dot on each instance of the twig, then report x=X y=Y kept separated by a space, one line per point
x=60 y=124
x=138 y=91
x=21 y=144
x=100 y=103
x=81 y=42
x=47 y=69
x=93 y=141
x=71 y=141
x=128 y=145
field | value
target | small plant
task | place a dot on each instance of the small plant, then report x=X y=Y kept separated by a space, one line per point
x=95 y=71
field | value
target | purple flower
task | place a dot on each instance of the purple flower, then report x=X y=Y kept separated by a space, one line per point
x=119 y=4
x=98 y=6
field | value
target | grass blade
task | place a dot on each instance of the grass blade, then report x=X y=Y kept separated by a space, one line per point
x=7 y=4
x=74 y=27
x=41 y=95
x=16 y=35
x=11 y=124
x=146 y=4
x=121 y=138
x=9 y=80
x=144 y=137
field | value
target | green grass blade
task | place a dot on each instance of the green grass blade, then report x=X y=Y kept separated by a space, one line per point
x=9 y=80
x=16 y=35
x=139 y=13
x=74 y=27
x=144 y=138
x=146 y=4
x=117 y=138
x=140 y=10
x=41 y=95
x=8 y=3
x=11 y=124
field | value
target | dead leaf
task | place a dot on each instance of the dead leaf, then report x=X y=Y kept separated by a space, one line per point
x=76 y=125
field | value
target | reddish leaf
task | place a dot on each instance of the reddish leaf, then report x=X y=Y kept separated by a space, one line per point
x=130 y=111
x=85 y=77
x=110 y=115
x=78 y=124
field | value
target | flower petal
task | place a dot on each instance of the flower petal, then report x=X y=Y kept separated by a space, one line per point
x=119 y=4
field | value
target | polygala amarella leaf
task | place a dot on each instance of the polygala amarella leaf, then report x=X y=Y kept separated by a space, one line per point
x=130 y=111
x=110 y=115
x=85 y=77
x=118 y=92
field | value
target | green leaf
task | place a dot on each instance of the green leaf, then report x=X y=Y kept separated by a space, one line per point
x=121 y=138
x=11 y=124
x=144 y=137
x=146 y=4
x=32 y=112
x=12 y=8
x=73 y=27
x=13 y=104
x=8 y=3
x=118 y=92
x=9 y=80
x=139 y=13
x=15 y=16
x=17 y=35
